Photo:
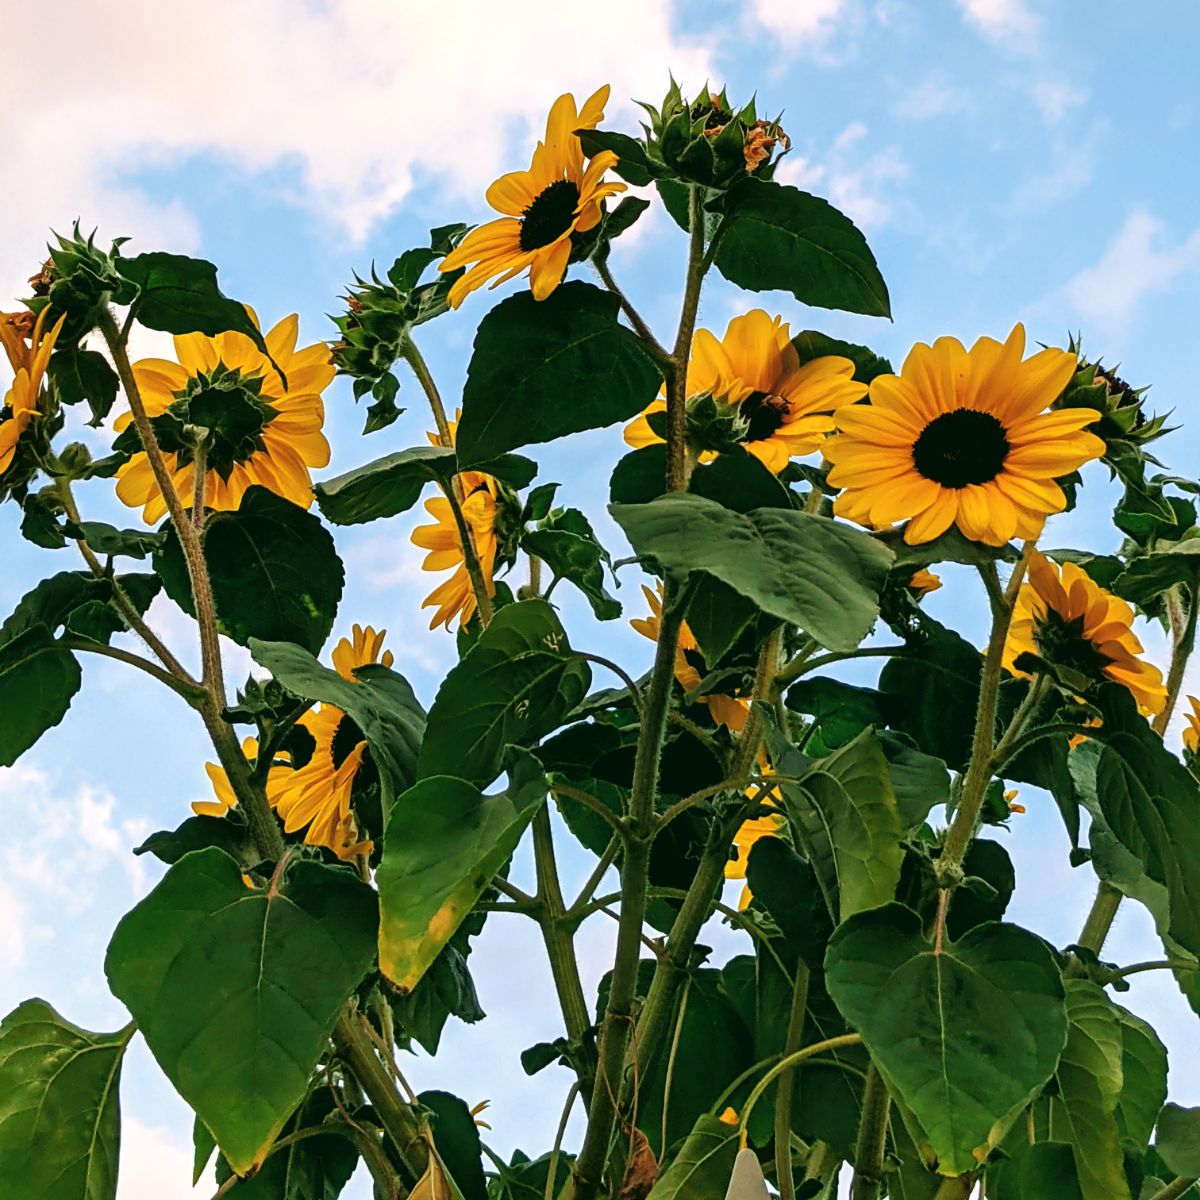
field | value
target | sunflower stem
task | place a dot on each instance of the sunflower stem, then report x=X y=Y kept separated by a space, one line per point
x=634 y=318
x=560 y=949
x=872 y=1138
x=193 y=693
x=420 y=368
x=483 y=599
x=199 y=486
x=787 y=1063
x=983 y=744
x=785 y=1096
x=1174 y=1189
x=124 y=606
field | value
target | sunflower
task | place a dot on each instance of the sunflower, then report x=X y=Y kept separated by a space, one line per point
x=456 y=597
x=1070 y=621
x=751 y=831
x=724 y=710
x=261 y=431
x=962 y=437
x=542 y=207
x=29 y=364
x=781 y=407
x=1191 y=732
x=923 y=582
x=316 y=796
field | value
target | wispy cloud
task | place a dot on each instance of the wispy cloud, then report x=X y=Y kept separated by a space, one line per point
x=1009 y=22
x=796 y=20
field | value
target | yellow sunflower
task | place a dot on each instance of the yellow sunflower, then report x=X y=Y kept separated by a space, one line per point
x=455 y=597
x=1191 y=732
x=542 y=207
x=783 y=406
x=316 y=796
x=962 y=437
x=29 y=364
x=278 y=447
x=1067 y=619
x=923 y=582
x=751 y=831
x=724 y=710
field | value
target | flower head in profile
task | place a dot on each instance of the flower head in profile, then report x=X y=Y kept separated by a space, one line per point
x=455 y=597
x=962 y=438
x=560 y=194
x=779 y=407
x=724 y=710
x=28 y=363
x=1191 y=731
x=259 y=430
x=316 y=795
x=1069 y=620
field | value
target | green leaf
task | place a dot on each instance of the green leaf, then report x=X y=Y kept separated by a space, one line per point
x=60 y=1119
x=633 y=164
x=275 y=572
x=786 y=886
x=444 y=843
x=393 y=484
x=38 y=680
x=237 y=989
x=456 y=1137
x=964 y=1037
x=203 y=1147
x=1149 y=801
x=840 y=711
x=180 y=295
x=379 y=701
x=807 y=570
x=1043 y=1171
x=1144 y=1080
x=568 y=546
x=106 y=539
x=515 y=685
x=1090 y=1075
x=701 y=1169
x=845 y=816
x=868 y=365
x=780 y=238
x=198 y=833
x=920 y=782
x=544 y=369
x=1178 y=1140
x=1146 y=578
x=81 y=375
x=446 y=990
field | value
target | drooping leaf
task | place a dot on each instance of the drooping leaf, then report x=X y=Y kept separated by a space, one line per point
x=106 y=539
x=515 y=684
x=275 y=965
x=786 y=886
x=1043 y=1171
x=868 y=365
x=1143 y=1080
x=920 y=782
x=1147 y=577
x=544 y=369
x=77 y=602
x=839 y=710
x=446 y=990
x=1178 y=1140
x=808 y=570
x=1090 y=1077
x=701 y=1169
x=275 y=572
x=444 y=843
x=177 y=294
x=964 y=1037
x=456 y=1137
x=568 y=546
x=60 y=1120
x=38 y=680
x=380 y=701
x=84 y=375
x=198 y=833
x=778 y=237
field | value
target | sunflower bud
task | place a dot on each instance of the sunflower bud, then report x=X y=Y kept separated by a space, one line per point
x=78 y=279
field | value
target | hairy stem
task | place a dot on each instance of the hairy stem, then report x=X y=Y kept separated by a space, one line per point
x=787 y=1086
x=1100 y=918
x=631 y=314
x=560 y=949
x=872 y=1138
x=790 y=1061
x=193 y=693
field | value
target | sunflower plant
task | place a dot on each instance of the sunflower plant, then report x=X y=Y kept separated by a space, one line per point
x=805 y=728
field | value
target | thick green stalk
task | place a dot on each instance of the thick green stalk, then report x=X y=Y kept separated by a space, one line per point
x=560 y=949
x=787 y=1086
x=678 y=461
x=872 y=1138
x=1100 y=918
x=1174 y=1189
x=192 y=693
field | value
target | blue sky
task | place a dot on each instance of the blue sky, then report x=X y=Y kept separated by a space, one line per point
x=1006 y=160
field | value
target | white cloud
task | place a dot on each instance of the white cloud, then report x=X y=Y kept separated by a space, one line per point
x=1006 y=21
x=1055 y=99
x=862 y=186
x=357 y=100
x=796 y=20
x=930 y=99
x=1141 y=261
x=154 y=1164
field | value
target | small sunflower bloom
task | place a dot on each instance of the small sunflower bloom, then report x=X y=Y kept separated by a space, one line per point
x=1191 y=731
x=1067 y=619
x=29 y=363
x=724 y=710
x=284 y=440
x=923 y=582
x=783 y=407
x=559 y=195
x=962 y=438
x=751 y=831
x=1010 y=798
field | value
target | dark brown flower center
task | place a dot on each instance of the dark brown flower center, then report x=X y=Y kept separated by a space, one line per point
x=550 y=215
x=960 y=448
x=764 y=413
x=1062 y=642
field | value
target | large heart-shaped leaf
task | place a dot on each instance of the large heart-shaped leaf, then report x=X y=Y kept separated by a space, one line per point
x=444 y=843
x=38 y=680
x=1090 y=1078
x=964 y=1037
x=78 y=603
x=380 y=701
x=515 y=684
x=275 y=572
x=804 y=569
x=778 y=237
x=544 y=369
x=237 y=988
x=60 y=1119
